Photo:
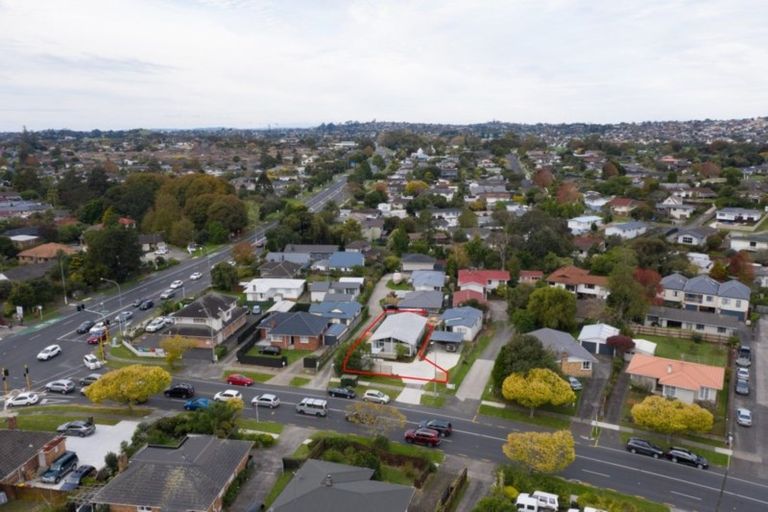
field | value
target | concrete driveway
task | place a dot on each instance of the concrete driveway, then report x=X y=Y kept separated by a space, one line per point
x=379 y=292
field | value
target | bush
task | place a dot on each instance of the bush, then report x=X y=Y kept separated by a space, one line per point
x=259 y=440
x=111 y=462
x=696 y=337
x=221 y=352
x=510 y=492
x=237 y=483
x=380 y=443
x=334 y=455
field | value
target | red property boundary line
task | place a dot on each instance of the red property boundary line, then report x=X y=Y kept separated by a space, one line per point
x=421 y=353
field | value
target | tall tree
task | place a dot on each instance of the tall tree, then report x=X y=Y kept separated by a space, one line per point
x=627 y=297
x=538 y=387
x=129 y=385
x=553 y=307
x=224 y=277
x=542 y=452
x=113 y=253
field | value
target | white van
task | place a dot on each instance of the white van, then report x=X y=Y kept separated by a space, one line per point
x=314 y=406
x=526 y=503
x=547 y=501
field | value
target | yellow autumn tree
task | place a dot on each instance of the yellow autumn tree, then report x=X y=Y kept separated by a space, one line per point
x=174 y=348
x=671 y=416
x=537 y=387
x=129 y=385
x=415 y=187
x=543 y=452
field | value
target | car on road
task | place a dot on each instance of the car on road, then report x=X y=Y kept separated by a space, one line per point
x=168 y=294
x=742 y=373
x=238 y=379
x=180 y=390
x=744 y=417
x=195 y=276
x=97 y=328
x=425 y=436
x=63 y=386
x=197 y=403
x=177 y=284
x=92 y=362
x=136 y=303
x=89 y=379
x=146 y=304
x=95 y=339
x=342 y=392
x=443 y=427
x=744 y=357
x=49 y=352
x=266 y=400
x=85 y=326
x=155 y=325
x=76 y=428
x=26 y=398
x=742 y=387
x=75 y=478
x=683 y=456
x=575 y=383
x=376 y=396
x=227 y=395
x=643 y=447
x=124 y=316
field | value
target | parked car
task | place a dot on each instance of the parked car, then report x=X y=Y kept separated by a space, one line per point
x=443 y=427
x=197 y=403
x=49 y=352
x=313 y=406
x=637 y=445
x=227 y=395
x=744 y=357
x=237 y=379
x=266 y=400
x=155 y=325
x=162 y=251
x=376 y=396
x=124 y=316
x=85 y=326
x=575 y=383
x=744 y=417
x=742 y=387
x=342 y=392
x=177 y=284
x=180 y=390
x=256 y=309
x=76 y=428
x=95 y=339
x=683 y=456
x=92 y=362
x=59 y=468
x=63 y=386
x=90 y=379
x=146 y=304
x=168 y=294
x=425 y=436
x=26 y=398
x=742 y=373
x=75 y=478
x=270 y=350
x=195 y=276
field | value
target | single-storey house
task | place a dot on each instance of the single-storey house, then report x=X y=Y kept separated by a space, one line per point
x=694 y=321
x=627 y=230
x=685 y=381
x=345 y=261
x=461 y=297
x=466 y=320
x=594 y=338
x=574 y=359
x=530 y=276
x=622 y=205
x=337 y=312
x=260 y=289
x=738 y=216
x=44 y=252
x=404 y=329
x=448 y=340
x=297 y=329
x=583 y=224
x=318 y=290
x=302 y=259
x=694 y=236
x=280 y=269
x=432 y=301
x=428 y=280
x=482 y=281
x=315 y=251
x=752 y=242
x=416 y=261
x=23 y=454
x=150 y=241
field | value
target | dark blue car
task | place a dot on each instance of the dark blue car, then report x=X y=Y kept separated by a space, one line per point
x=197 y=403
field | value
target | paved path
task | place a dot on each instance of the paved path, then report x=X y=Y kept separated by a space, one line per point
x=473 y=385
x=379 y=292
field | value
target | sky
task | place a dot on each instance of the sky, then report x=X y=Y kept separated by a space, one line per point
x=120 y=64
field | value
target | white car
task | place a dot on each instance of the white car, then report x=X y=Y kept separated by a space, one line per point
x=98 y=328
x=744 y=417
x=124 y=316
x=196 y=275
x=177 y=284
x=26 y=398
x=575 y=383
x=92 y=362
x=266 y=400
x=168 y=294
x=49 y=352
x=376 y=396
x=227 y=395
x=742 y=373
x=161 y=252
x=156 y=324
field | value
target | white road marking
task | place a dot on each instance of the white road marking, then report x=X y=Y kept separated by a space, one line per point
x=686 y=495
x=596 y=473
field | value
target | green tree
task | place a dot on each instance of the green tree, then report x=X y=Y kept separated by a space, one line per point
x=217 y=233
x=113 y=253
x=129 y=385
x=520 y=355
x=538 y=387
x=182 y=232
x=174 y=348
x=495 y=503
x=399 y=241
x=542 y=452
x=230 y=212
x=553 y=307
x=468 y=218
x=224 y=277
x=627 y=299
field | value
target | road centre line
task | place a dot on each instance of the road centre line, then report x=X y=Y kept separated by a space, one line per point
x=686 y=495
x=596 y=473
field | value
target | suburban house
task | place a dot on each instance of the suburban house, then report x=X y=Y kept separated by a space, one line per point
x=702 y=293
x=26 y=272
x=191 y=477
x=579 y=282
x=461 y=297
x=465 y=320
x=627 y=230
x=530 y=276
x=321 y=486
x=676 y=208
x=594 y=200
x=694 y=321
x=428 y=280
x=584 y=223
x=585 y=243
x=738 y=216
x=150 y=241
x=574 y=359
x=44 y=252
x=294 y=330
x=371 y=229
x=23 y=454
x=280 y=269
x=702 y=261
x=302 y=259
x=622 y=205
x=316 y=251
x=751 y=242
x=685 y=381
x=450 y=216
x=260 y=289
x=447 y=340
x=345 y=261
x=482 y=281
x=337 y=312
x=320 y=290
x=398 y=329
x=430 y=300
x=416 y=261
x=209 y=320
x=694 y=236
x=594 y=338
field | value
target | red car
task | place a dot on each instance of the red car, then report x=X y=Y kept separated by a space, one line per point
x=94 y=339
x=237 y=379
x=425 y=436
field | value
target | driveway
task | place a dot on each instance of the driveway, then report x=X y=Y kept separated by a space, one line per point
x=379 y=292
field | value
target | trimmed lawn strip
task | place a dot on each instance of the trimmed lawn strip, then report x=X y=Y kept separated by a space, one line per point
x=510 y=413
x=432 y=455
x=394 y=475
x=703 y=352
x=291 y=356
x=123 y=353
x=392 y=382
x=262 y=426
x=47 y=418
x=433 y=401
x=298 y=382
x=49 y=422
x=280 y=485
x=404 y=285
x=714 y=458
x=256 y=376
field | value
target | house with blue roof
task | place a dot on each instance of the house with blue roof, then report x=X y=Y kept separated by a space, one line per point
x=704 y=294
x=428 y=280
x=337 y=312
x=465 y=320
x=345 y=261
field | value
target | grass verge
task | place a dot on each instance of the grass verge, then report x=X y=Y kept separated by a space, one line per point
x=433 y=401
x=280 y=485
x=514 y=414
x=714 y=458
x=256 y=376
x=262 y=426
x=299 y=382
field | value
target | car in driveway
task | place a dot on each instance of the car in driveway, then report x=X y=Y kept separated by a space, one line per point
x=78 y=428
x=227 y=395
x=49 y=352
x=425 y=436
x=742 y=387
x=575 y=383
x=683 y=456
x=238 y=379
x=643 y=447
x=180 y=390
x=146 y=304
x=156 y=324
x=85 y=326
x=63 y=386
x=376 y=396
x=342 y=392
x=443 y=427
x=162 y=251
x=742 y=373
x=744 y=417
x=266 y=400
x=75 y=478
x=196 y=404
x=26 y=398
x=196 y=275
x=177 y=284
x=168 y=294
x=270 y=350
x=92 y=362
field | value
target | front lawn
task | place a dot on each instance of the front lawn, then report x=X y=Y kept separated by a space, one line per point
x=291 y=356
x=703 y=352
x=403 y=285
x=47 y=417
x=260 y=426
x=511 y=412
x=299 y=382
x=433 y=401
x=256 y=376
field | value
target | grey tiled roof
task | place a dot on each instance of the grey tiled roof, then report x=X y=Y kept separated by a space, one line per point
x=695 y=317
x=674 y=282
x=561 y=342
x=298 y=323
x=702 y=284
x=427 y=299
x=464 y=316
x=18 y=446
x=206 y=305
x=735 y=290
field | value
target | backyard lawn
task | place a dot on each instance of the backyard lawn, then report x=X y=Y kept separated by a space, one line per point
x=703 y=352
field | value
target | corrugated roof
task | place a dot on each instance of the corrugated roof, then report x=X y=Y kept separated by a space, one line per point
x=405 y=327
x=680 y=374
x=559 y=342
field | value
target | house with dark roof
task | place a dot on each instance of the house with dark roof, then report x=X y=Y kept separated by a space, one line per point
x=574 y=359
x=416 y=261
x=302 y=259
x=320 y=486
x=294 y=330
x=280 y=269
x=693 y=236
x=733 y=215
x=704 y=294
x=337 y=312
x=316 y=251
x=209 y=320
x=345 y=261
x=191 y=477
x=27 y=272
x=432 y=301
x=749 y=242
x=693 y=321
x=150 y=241
x=24 y=454
x=428 y=280
x=627 y=230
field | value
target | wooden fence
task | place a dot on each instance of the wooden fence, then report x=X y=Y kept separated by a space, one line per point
x=678 y=333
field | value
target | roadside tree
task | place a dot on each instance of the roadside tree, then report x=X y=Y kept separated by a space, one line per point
x=129 y=385
x=520 y=355
x=552 y=307
x=377 y=419
x=175 y=347
x=224 y=277
x=536 y=388
x=671 y=416
x=542 y=452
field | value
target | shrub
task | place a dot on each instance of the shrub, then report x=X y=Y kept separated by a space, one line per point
x=111 y=462
x=380 y=443
x=333 y=455
x=221 y=351
x=510 y=492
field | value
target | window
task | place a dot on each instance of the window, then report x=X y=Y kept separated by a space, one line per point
x=699 y=327
x=721 y=330
x=704 y=393
x=669 y=391
x=586 y=365
x=753 y=244
x=143 y=508
x=738 y=303
x=725 y=301
x=708 y=298
x=687 y=240
x=304 y=339
x=674 y=294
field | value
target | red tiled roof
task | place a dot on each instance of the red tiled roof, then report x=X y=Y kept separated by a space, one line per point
x=621 y=201
x=571 y=275
x=529 y=274
x=584 y=243
x=482 y=276
x=680 y=374
x=463 y=296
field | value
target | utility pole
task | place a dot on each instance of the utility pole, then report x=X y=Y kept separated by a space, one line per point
x=5 y=380
x=26 y=378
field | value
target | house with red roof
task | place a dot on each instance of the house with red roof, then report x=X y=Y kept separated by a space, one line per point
x=671 y=378
x=579 y=282
x=530 y=276
x=463 y=296
x=482 y=281
x=622 y=205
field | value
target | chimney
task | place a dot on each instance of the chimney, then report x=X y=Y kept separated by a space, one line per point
x=328 y=481
x=669 y=368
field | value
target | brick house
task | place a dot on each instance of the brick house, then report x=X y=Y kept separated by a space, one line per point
x=294 y=330
x=44 y=252
x=574 y=359
x=24 y=454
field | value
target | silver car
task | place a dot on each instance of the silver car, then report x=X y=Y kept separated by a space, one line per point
x=62 y=386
